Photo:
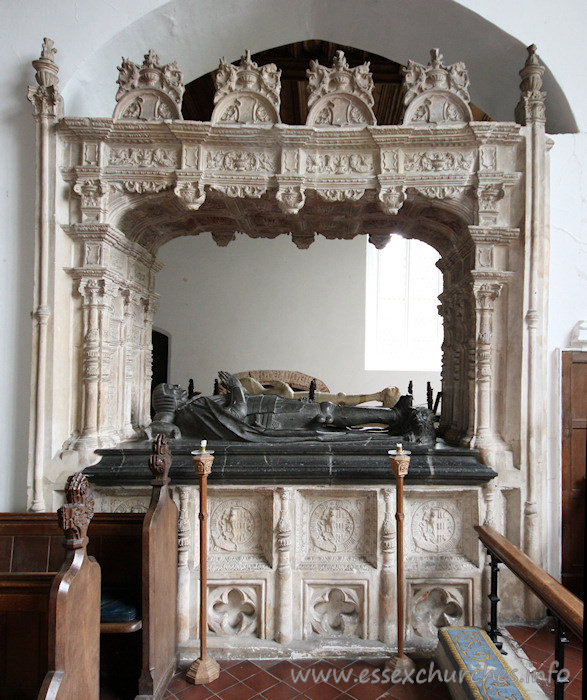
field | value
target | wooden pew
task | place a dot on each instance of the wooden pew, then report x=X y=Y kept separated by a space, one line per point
x=139 y=551
x=49 y=607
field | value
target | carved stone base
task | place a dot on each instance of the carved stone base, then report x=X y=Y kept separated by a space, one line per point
x=203 y=671
x=400 y=666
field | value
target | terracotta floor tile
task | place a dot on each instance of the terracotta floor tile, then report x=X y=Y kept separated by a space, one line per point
x=178 y=682
x=224 y=680
x=243 y=670
x=261 y=681
x=323 y=691
x=194 y=692
x=281 y=691
x=574 y=689
x=521 y=633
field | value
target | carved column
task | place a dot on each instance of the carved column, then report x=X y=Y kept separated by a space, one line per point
x=183 y=572
x=486 y=293
x=149 y=308
x=48 y=109
x=128 y=363
x=387 y=625
x=531 y=113
x=284 y=590
x=107 y=348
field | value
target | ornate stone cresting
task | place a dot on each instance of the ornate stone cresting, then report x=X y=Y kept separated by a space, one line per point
x=45 y=96
x=74 y=517
x=340 y=96
x=151 y=92
x=246 y=94
x=531 y=108
x=436 y=94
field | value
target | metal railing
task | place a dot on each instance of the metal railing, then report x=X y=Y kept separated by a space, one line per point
x=566 y=608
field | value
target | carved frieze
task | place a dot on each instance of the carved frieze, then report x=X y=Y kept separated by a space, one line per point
x=340 y=195
x=241 y=191
x=437 y=161
x=240 y=161
x=339 y=164
x=143 y=157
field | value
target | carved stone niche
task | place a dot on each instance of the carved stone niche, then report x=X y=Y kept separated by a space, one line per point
x=340 y=96
x=335 y=609
x=236 y=608
x=434 y=604
x=247 y=93
x=436 y=94
x=150 y=92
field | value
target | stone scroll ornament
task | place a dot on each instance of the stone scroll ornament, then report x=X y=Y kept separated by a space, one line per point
x=74 y=517
x=149 y=92
x=436 y=94
x=160 y=460
x=340 y=96
x=247 y=93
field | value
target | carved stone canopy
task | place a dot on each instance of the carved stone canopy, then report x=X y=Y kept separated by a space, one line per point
x=149 y=92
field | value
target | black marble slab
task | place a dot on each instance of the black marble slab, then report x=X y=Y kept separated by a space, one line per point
x=358 y=461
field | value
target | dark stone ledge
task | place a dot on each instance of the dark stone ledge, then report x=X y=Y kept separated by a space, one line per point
x=361 y=461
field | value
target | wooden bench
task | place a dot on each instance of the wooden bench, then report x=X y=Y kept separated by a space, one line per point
x=138 y=553
x=49 y=602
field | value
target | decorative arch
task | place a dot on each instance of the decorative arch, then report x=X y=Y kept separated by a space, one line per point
x=117 y=189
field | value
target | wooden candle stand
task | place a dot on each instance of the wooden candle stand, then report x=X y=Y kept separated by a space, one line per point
x=204 y=669
x=399 y=663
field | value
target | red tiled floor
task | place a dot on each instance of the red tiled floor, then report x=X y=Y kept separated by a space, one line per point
x=538 y=644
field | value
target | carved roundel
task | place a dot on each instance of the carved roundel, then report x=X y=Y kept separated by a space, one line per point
x=436 y=526
x=333 y=527
x=234 y=527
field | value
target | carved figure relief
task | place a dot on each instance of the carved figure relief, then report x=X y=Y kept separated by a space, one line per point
x=240 y=531
x=436 y=526
x=234 y=527
x=339 y=164
x=239 y=161
x=336 y=534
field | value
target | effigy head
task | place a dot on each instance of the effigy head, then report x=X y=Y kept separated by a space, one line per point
x=167 y=398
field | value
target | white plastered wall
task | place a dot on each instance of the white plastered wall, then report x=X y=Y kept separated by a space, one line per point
x=91 y=37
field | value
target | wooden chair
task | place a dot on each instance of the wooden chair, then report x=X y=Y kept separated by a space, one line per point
x=49 y=607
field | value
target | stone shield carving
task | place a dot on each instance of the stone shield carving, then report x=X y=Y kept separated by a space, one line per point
x=436 y=526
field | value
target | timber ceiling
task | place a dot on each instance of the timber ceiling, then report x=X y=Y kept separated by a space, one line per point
x=294 y=60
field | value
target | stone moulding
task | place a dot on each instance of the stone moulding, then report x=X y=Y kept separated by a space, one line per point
x=190 y=159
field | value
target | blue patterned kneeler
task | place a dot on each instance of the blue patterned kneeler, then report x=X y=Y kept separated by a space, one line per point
x=486 y=675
